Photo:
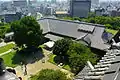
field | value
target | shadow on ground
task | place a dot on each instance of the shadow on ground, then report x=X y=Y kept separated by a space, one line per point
x=26 y=57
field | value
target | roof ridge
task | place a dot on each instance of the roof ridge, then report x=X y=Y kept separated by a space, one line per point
x=48 y=26
x=86 y=23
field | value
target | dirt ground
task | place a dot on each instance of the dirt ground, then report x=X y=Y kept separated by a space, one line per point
x=33 y=68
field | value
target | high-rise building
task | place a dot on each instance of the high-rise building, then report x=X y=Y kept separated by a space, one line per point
x=95 y=2
x=80 y=8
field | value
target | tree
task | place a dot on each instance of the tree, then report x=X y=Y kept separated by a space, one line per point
x=78 y=48
x=49 y=74
x=27 y=32
x=91 y=14
x=76 y=18
x=79 y=55
x=4 y=28
x=61 y=47
x=108 y=26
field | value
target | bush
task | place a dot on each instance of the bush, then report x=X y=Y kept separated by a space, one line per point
x=49 y=74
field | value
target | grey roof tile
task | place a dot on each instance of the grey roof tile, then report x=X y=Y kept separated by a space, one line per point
x=8 y=76
x=70 y=29
x=53 y=37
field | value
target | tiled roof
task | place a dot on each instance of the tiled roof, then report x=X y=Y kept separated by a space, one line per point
x=8 y=76
x=106 y=69
x=70 y=29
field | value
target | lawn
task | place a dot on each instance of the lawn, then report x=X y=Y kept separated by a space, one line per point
x=51 y=60
x=67 y=67
x=6 y=47
x=8 y=59
x=111 y=31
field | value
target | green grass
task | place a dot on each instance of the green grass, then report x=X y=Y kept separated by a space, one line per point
x=67 y=67
x=8 y=59
x=6 y=48
x=42 y=46
x=51 y=58
x=111 y=31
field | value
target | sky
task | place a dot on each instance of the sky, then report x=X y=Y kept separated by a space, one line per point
x=109 y=0
x=99 y=0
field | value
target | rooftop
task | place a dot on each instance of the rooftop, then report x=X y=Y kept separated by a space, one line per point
x=7 y=12
x=74 y=30
x=106 y=69
x=61 y=12
x=8 y=76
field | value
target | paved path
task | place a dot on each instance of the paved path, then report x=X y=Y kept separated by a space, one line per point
x=33 y=68
x=6 y=52
x=3 y=43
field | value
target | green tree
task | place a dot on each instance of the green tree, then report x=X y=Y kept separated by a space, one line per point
x=49 y=74
x=79 y=55
x=91 y=14
x=4 y=28
x=78 y=48
x=76 y=18
x=61 y=46
x=108 y=26
x=68 y=18
x=27 y=32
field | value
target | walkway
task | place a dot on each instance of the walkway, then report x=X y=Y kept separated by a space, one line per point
x=4 y=44
x=6 y=52
x=34 y=68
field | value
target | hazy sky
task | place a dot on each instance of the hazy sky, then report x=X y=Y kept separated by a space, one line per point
x=109 y=0
x=99 y=0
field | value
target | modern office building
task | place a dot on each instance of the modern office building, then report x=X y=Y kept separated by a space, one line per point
x=80 y=8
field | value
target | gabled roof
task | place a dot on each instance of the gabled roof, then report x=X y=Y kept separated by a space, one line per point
x=69 y=29
x=61 y=27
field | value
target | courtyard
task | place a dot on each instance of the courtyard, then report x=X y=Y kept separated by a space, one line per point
x=34 y=63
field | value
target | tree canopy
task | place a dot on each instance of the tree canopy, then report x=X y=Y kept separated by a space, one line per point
x=61 y=46
x=27 y=32
x=109 y=22
x=79 y=55
x=49 y=74
x=4 y=28
x=76 y=54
